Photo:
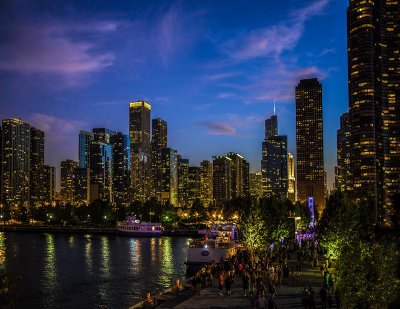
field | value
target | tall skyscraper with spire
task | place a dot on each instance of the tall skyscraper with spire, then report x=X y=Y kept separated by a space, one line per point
x=274 y=160
x=139 y=133
x=309 y=143
x=373 y=41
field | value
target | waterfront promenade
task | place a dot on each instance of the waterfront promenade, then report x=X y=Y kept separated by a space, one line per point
x=287 y=296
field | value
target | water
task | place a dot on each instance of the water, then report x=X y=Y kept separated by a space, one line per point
x=86 y=271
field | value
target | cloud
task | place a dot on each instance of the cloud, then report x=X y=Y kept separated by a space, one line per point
x=61 y=135
x=220 y=128
x=222 y=75
x=51 y=47
x=272 y=41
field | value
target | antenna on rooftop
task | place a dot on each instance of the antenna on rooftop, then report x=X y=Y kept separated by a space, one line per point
x=274 y=107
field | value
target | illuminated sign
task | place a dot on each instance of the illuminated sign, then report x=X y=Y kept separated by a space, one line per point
x=311 y=208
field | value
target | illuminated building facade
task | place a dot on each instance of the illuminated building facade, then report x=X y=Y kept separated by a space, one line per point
x=82 y=186
x=309 y=143
x=101 y=162
x=49 y=183
x=206 y=183
x=239 y=175
x=121 y=158
x=183 y=182
x=343 y=175
x=373 y=39
x=139 y=133
x=169 y=177
x=221 y=179
x=85 y=140
x=193 y=184
x=256 y=185
x=274 y=160
x=159 y=139
x=16 y=145
x=291 y=179
x=36 y=165
x=67 y=180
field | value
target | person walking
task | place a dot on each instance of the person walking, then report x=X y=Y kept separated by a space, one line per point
x=221 y=283
x=324 y=297
x=298 y=270
x=245 y=281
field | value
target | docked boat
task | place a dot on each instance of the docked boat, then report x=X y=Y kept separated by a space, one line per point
x=207 y=251
x=219 y=230
x=133 y=227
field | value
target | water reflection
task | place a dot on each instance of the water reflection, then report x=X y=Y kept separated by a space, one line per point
x=2 y=251
x=50 y=272
x=166 y=262
x=88 y=254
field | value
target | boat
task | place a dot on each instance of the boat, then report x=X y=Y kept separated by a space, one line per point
x=134 y=227
x=219 y=230
x=207 y=251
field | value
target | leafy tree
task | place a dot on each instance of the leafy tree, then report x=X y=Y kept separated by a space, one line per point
x=275 y=212
x=239 y=205
x=198 y=212
x=301 y=210
x=254 y=230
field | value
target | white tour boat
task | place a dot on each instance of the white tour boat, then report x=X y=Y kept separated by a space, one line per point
x=206 y=251
x=134 y=227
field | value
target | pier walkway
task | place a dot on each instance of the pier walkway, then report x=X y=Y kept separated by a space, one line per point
x=287 y=296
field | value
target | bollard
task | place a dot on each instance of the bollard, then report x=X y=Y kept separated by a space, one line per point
x=177 y=287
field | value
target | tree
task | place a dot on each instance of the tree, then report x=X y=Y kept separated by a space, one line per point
x=254 y=230
x=198 y=212
x=301 y=210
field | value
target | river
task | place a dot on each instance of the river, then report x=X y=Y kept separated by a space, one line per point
x=87 y=271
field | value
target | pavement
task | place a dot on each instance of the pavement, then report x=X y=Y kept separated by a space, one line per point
x=287 y=296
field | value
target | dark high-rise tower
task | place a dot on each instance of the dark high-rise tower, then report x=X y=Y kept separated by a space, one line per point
x=373 y=44
x=120 y=167
x=206 y=183
x=271 y=126
x=169 y=177
x=221 y=179
x=85 y=139
x=309 y=143
x=343 y=181
x=36 y=165
x=158 y=142
x=274 y=160
x=183 y=182
x=16 y=149
x=139 y=133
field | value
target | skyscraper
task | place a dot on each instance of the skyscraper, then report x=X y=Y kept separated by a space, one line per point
x=221 y=179
x=169 y=177
x=374 y=101
x=256 y=185
x=85 y=139
x=16 y=147
x=193 y=184
x=183 y=182
x=343 y=181
x=67 y=180
x=271 y=126
x=158 y=142
x=36 y=165
x=139 y=133
x=239 y=175
x=274 y=160
x=49 y=183
x=309 y=143
x=82 y=186
x=120 y=144
x=291 y=179
x=206 y=183
x=101 y=163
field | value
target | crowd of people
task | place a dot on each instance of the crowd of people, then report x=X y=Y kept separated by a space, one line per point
x=262 y=272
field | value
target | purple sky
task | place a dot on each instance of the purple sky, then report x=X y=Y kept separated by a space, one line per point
x=211 y=69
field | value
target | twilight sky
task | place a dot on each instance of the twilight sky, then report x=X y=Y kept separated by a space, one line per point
x=211 y=69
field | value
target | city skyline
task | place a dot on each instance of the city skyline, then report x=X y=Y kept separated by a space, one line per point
x=202 y=90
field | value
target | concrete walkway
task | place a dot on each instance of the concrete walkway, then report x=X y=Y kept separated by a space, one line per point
x=287 y=296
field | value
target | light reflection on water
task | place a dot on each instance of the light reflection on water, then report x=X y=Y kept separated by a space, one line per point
x=2 y=252
x=49 y=270
x=87 y=271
